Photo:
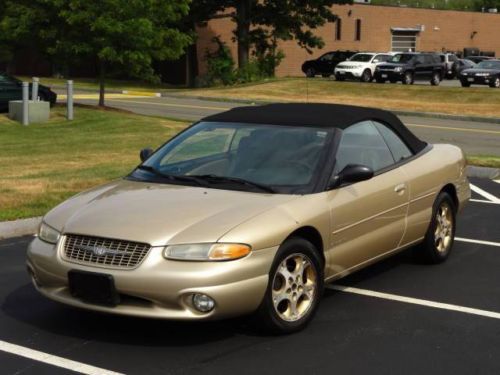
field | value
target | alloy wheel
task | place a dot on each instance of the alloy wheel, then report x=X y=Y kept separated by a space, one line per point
x=444 y=228
x=294 y=287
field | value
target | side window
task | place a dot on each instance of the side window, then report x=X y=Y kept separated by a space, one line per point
x=327 y=57
x=362 y=144
x=420 y=59
x=398 y=149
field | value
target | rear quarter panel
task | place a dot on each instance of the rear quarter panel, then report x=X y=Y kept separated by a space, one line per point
x=427 y=175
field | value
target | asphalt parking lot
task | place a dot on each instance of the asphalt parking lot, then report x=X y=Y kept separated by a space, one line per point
x=395 y=317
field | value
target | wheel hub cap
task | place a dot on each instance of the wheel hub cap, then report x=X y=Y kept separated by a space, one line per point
x=294 y=287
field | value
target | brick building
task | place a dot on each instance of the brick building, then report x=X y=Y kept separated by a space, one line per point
x=377 y=28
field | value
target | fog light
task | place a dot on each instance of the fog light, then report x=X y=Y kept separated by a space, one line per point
x=203 y=303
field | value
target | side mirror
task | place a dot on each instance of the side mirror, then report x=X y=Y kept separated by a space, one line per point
x=145 y=153
x=376 y=61
x=350 y=174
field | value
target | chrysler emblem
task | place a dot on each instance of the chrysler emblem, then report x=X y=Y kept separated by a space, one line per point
x=98 y=251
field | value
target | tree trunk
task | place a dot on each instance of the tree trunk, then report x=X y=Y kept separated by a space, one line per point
x=191 y=64
x=243 y=31
x=101 y=83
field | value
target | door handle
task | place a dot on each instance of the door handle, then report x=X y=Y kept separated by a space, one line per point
x=400 y=188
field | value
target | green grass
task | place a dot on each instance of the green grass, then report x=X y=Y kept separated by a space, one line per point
x=484 y=161
x=473 y=101
x=44 y=164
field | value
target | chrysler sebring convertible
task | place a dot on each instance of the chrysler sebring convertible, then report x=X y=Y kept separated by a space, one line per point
x=252 y=211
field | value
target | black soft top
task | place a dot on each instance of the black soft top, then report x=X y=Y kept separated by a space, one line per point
x=317 y=115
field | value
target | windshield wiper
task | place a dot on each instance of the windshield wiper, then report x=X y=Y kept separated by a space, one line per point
x=221 y=179
x=170 y=177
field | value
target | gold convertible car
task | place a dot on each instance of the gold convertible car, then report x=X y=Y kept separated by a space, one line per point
x=252 y=211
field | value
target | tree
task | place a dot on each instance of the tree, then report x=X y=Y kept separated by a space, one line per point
x=267 y=21
x=200 y=11
x=115 y=34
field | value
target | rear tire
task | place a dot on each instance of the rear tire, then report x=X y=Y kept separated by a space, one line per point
x=438 y=240
x=296 y=282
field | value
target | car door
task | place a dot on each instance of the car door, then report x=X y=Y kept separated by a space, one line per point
x=368 y=218
x=421 y=68
x=325 y=63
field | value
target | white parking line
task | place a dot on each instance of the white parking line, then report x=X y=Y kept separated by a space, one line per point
x=415 y=301
x=483 y=201
x=485 y=194
x=54 y=360
x=489 y=243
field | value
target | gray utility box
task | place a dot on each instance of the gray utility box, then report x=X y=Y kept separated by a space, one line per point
x=38 y=111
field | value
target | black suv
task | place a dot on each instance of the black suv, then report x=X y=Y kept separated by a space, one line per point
x=326 y=63
x=408 y=67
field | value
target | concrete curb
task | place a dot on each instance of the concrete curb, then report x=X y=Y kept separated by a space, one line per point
x=483 y=172
x=19 y=227
x=436 y=115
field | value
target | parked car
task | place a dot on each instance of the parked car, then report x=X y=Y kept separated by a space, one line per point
x=410 y=66
x=11 y=89
x=487 y=72
x=478 y=59
x=325 y=64
x=448 y=59
x=360 y=66
x=462 y=64
x=251 y=211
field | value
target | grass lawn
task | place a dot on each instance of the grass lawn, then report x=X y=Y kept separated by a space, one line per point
x=475 y=101
x=43 y=164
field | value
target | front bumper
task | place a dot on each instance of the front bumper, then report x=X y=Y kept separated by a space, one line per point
x=390 y=75
x=349 y=73
x=160 y=288
x=477 y=80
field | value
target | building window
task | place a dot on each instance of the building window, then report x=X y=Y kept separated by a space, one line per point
x=357 y=30
x=338 y=29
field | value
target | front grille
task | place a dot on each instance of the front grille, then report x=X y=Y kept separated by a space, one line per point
x=104 y=251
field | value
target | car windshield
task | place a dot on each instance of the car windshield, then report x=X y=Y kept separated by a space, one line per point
x=361 y=57
x=240 y=156
x=488 y=64
x=401 y=58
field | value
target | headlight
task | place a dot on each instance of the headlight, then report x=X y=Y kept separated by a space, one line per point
x=207 y=251
x=398 y=69
x=482 y=74
x=47 y=233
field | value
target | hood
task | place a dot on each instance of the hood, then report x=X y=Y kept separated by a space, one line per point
x=352 y=63
x=159 y=214
x=390 y=64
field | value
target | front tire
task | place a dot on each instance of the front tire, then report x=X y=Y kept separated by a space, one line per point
x=366 y=76
x=495 y=83
x=436 y=79
x=440 y=235
x=408 y=78
x=465 y=84
x=310 y=73
x=296 y=282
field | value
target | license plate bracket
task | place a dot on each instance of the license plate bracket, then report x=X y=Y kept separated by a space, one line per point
x=470 y=79
x=92 y=287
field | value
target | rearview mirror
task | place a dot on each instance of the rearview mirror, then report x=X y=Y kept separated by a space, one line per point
x=145 y=154
x=350 y=174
